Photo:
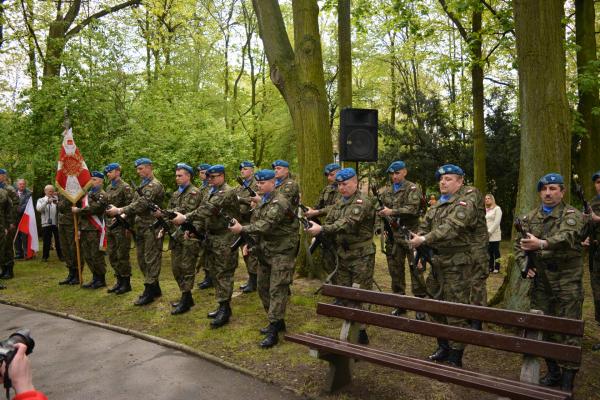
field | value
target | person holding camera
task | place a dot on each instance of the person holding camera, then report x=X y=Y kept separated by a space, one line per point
x=20 y=375
x=47 y=206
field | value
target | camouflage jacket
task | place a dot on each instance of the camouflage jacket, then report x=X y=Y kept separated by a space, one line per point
x=351 y=222
x=14 y=198
x=479 y=233
x=244 y=199
x=405 y=204
x=594 y=231
x=152 y=192
x=562 y=228
x=290 y=189
x=275 y=226
x=96 y=205
x=119 y=195
x=6 y=210
x=209 y=214
x=327 y=198
x=184 y=202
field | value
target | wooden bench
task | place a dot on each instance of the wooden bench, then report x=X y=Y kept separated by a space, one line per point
x=342 y=353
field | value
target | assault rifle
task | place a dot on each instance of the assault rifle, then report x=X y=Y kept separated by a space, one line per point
x=118 y=220
x=305 y=209
x=243 y=239
x=247 y=187
x=388 y=223
x=581 y=196
x=186 y=226
x=528 y=254
x=320 y=240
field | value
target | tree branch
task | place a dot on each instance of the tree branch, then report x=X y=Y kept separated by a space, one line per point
x=495 y=13
x=100 y=14
x=498 y=82
x=32 y=32
x=461 y=29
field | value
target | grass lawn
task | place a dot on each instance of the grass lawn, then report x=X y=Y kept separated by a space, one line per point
x=287 y=364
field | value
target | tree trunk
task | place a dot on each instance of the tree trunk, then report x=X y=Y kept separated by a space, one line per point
x=588 y=91
x=479 y=152
x=344 y=55
x=393 y=83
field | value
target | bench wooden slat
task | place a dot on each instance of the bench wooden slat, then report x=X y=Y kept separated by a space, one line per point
x=500 y=386
x=464 y=335
x=505 y=317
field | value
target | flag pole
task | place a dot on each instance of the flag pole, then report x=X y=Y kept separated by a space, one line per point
x=76 y=224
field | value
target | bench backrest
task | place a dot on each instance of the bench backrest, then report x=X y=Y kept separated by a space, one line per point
x=495 y=340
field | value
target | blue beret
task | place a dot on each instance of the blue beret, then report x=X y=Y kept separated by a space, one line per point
x=280 y=163
x=396 y=166
x=111 y=167
x=203 y=167
x=184 y=166
x=2 y=171
x=329 y=168
x=448 y=169
x=550 y=178
x=216 y=169
x=345 y=174
x=594 y=177
x=246 y=164
x=97 y=174
x=264 y=175
x=142 y=161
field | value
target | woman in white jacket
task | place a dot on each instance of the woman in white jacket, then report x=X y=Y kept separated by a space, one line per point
x=493 y=216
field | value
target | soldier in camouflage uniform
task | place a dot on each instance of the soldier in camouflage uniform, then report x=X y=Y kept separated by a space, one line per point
x=402 y=201
x=284 y=184
x=594 y=258
x=147 y=242
x=554 y=239
x=220 y=259
x=7 y=255
x=274 y=227
x=350 y=225
x=479 y=250
x=184 y=252
x=7 y=218
x=119 y=194
x=245 y=199
x=445 y=229
x=327 y=198
x=204 y=189
x=91 y=231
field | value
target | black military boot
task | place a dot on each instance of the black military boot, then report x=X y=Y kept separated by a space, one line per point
x=477 y=325
x=272 y=337
x=398 y=312
x=553 y=376
x=206 y=283
x=99 y=282
x=67 y=280
x=8 y=272
x=117 y=285
x=281 y=327
x=90 y=284
x=222 y=316
x=75 y=279
x=251 y=285
x=125 y=285
x=156 y=292
x=363 y=338
x=568 y=377
x=455 y=357
x=184 y=305
x=146 y=297
x=442 y=352
x=212 y=314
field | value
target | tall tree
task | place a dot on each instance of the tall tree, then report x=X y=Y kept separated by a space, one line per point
x=344 y=55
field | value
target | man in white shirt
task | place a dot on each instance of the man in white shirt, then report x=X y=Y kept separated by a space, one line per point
x=47 y=207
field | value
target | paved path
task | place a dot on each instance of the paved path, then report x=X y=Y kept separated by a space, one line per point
x=74 y=360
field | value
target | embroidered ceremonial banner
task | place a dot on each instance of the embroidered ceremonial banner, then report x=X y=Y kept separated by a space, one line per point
x=72 y=174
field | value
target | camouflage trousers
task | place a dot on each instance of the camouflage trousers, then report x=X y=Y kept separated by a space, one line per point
x=89 y=242
x=119 y=244
x=559 y=293
x=5 y=242
x=221 y=263
x=356 y=266
x=183 y=263
x=397 y=254
x=66 y=235
x=450 y=280
x=479 y=274
x=595 y=281
x=251 y=264
x=275 y=275
x=149 y=253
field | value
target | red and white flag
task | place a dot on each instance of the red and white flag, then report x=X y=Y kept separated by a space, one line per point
x=28 y=226
x=98 y=223
x=72 y=174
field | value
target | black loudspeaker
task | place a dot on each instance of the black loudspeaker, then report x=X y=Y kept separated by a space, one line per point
x=358 y=135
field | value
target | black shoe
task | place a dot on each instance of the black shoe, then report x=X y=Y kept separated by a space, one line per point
x=568 y=377
x=99 y=282
x=125 y=285
x=596 y=347
x=156 y=292
x=455 y=358
x=338 y=302
x=420 y=316
x=442 y=352
x=251 y=285
x=184 y=305
x=272 y=337
x=8 y=272
x=67 y=280
x=553 y=377
x=222 y=316
x=207 y=283
x=116 y=286
x=212 y=314
x=90 y=284
x=477 y=325
x=398 y=312
x=74 y=280
x=281 y=327
x=363 y=338
x=146 y=297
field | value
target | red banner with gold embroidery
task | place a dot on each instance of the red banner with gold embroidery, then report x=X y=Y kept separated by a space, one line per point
x=72 y=174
